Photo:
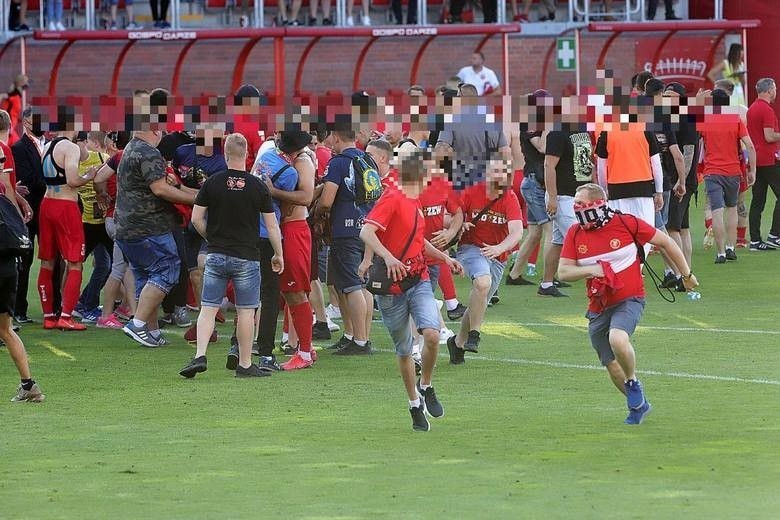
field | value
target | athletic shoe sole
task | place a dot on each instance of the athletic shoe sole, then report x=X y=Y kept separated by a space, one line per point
x=191 y=371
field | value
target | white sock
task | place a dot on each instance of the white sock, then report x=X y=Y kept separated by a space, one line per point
x=415 y=403
x=546 y=285
x=531 y=265
x=348 y=336
x=138 y=323
x=360 y=342
x=305 y=355
x=424 y=387
x=451 y=304
x=285 y=337
x=668 y=271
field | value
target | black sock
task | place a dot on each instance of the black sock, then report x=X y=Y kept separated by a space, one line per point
x=27 y=384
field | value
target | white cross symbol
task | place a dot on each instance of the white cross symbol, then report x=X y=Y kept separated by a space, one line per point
x=566 y=54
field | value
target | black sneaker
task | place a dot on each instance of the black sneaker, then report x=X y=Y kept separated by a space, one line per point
x=551 y=291
x=518 y=281
x=289 y=350
x=269 y=364
x=731 y=254
x=432 y=404
x=558 y=283
x=670 y=281
x=419 y=420
x=353 y=349
x=773 y=241
x=232 y=358
x=341 y=343
x=21 y=319
x=680 y=286
x=195 y=366
x=252 y=371
x=417 y=366
x=457 y=355
x=494 y=300
x=720 y=259
x=167 y=318
x=457 y=313
x=320 y=330
x=761 y=246
x=472 y=343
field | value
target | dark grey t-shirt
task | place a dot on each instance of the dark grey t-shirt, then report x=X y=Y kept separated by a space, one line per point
x=471 y=139
x=139 y=213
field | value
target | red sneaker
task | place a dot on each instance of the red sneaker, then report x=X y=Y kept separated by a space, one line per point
x=219 y=318
x=296 y=362
x=191 y=336
x=50 y=323
x=69 y=324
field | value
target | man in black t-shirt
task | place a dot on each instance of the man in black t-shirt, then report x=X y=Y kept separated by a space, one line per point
x=568 y=163
x=233 y=198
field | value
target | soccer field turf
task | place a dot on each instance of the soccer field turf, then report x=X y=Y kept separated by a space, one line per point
x=533 y=428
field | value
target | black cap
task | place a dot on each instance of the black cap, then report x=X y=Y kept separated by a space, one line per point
x=81 y=136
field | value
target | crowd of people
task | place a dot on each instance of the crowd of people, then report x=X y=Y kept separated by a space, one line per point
x=378 y=216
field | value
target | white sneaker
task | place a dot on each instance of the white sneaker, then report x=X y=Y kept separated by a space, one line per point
x=52 y=26
x=333 y=327
x=366 y=21
x=132 y=26
x=444 y=335
x=350 y=21
x=333 y=313
x=60 y=27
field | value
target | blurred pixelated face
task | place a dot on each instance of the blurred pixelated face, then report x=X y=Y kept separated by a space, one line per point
x=476 y=60
x=393 y=132
x=380 y=158
x=499 y=175
x=209 y=136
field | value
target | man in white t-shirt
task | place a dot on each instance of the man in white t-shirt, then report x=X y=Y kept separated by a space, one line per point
x=480 y=76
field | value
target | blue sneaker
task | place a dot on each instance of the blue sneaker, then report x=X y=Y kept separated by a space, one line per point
x=91 y=316
x=635 y=398
x=637 y=415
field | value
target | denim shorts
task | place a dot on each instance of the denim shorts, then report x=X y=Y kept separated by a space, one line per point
x=416 y=303
x=564 y=219
x=434 y=272
x=476 y=264
x=622 y=316
x=220 y=269
x=533 y=193
x=345 y=257
x=662 y=217
x=154 y=260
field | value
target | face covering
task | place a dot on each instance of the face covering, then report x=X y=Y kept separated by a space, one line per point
x=593 y=214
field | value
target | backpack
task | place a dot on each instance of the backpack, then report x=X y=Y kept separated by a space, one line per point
x=368 y=182
x=13 y=232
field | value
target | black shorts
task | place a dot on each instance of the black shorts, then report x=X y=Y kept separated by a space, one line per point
x=194 y=245
x=8 y=279
x=678 y=212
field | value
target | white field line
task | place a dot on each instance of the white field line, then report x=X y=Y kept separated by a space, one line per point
x=556 y=364
x=640 y=327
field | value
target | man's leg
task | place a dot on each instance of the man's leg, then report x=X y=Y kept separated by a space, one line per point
x=624 y=352
x=758 y=202
x=687 y=245
x=532 y=239
x=356 y=302
x=269 y=296
x=731 y=226
x=478 y=296
x=14 y=345
x=206 y=327
x=773 y=179
x=244 y=332
x=617 y=376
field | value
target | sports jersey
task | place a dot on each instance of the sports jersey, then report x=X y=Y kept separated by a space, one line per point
x=492 y=227
x=9 y=164
x=721 y=134
x=395 y=208
x=436 y=199
x=91 y=213
x=613 y=243
x=194 y=168
x=761 y=115
x=485 y=80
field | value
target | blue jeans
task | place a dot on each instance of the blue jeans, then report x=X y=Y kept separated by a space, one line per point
x=417 y=303
x=220 y=269
x=90 y=296
x=155 y=261
x=536 y=207
x=54 y=11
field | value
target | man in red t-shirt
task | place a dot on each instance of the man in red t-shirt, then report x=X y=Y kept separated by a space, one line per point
x=602 y=248
x=403 y=248
x=493 y=227
x=765 y=133
x=722 y=134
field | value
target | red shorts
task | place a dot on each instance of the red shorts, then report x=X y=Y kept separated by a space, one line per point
x=60 y=231
x=296 y=245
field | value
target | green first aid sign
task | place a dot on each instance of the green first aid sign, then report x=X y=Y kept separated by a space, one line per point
x=566 y=54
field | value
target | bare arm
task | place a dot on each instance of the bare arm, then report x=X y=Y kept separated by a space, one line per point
x=104 y=173
x=325 y=202
x=71 y=166
x=712 y=75
x=199 y=219
x=674 y=255
x=751 y=174
x=445 y=236
x=771 y=136
x=569 y=271
x=511 y=240
x=165 y=191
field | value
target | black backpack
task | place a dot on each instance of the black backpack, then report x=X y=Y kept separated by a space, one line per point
x=13 y=232
x=368 y=182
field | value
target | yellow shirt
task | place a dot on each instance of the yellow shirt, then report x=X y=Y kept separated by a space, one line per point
x=92 y=214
